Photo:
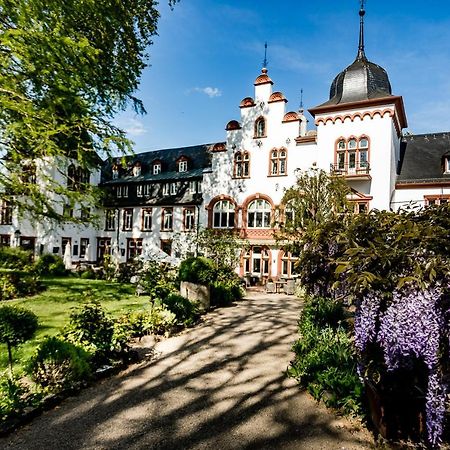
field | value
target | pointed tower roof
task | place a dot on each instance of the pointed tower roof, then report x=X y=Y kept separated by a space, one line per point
x=362 y=80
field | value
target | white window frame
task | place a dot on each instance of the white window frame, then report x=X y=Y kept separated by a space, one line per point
x=127 y=219
x=259 y=214
x=147 y=219
x=225 y=212
x=156 y=168
x=182 y=166
x=189 y=219
x=139 y=190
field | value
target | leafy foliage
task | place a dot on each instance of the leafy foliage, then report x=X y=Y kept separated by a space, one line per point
x=49 y=264
x=17 y=325
x=15 y=283
x=57 y=364
x=315 y=199
x=90 y=327
x=185 y=311
x=325 y=360
x=15 y=396
x=66 y=68
x=197 y=270
x=14 y=258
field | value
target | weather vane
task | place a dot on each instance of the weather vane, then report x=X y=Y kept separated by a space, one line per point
x=363 y=2
x=301 y=99
x=265 y=63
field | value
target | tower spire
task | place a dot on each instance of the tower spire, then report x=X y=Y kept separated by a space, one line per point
x=265 y=62
x=301 y=99
x=361 y=54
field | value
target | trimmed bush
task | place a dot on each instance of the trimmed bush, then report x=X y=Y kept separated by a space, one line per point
x=197 y=270
x=15 y=283
x=57 y=364
x=50 y=264
x=90 y=327
x=15 y=257
x=17 y=325
x=185 y=311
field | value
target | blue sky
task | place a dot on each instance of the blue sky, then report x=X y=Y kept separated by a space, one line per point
x=208 y=54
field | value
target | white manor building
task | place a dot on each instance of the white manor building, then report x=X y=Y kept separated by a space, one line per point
x=238 y=184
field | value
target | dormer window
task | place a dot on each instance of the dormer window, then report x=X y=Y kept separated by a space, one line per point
x=260 y=127
x=182 y=166
x=156 y=168
x=115 y=172
x=137 y=169
x=447 y=164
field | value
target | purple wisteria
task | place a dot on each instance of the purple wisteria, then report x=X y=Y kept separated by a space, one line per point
x=411 y=327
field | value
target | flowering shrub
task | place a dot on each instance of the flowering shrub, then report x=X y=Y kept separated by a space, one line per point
x=410 y=328
x=397 y=268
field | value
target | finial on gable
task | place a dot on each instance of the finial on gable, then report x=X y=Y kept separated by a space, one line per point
x=265 y=62
x=361 y=54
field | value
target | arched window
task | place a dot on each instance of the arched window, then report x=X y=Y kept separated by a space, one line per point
x=278 y=162
x=71 y=177
x=223 y=214
x=352 y=155
x=260 y=127
x=242 y=165
x=259 y=214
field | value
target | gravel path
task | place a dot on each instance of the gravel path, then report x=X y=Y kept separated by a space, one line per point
x=218 y=386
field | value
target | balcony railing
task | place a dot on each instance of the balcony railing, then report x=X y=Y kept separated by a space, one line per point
x=350 y=170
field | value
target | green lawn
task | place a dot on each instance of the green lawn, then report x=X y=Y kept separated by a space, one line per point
x=53 y=307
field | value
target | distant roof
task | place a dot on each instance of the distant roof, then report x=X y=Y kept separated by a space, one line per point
x=197 y=155
x=422 y=157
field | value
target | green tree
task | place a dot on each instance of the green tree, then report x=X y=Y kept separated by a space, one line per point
x=66 y=67
x=17 y=325
x=315 y=199
x=315 y=211
x=223 y=247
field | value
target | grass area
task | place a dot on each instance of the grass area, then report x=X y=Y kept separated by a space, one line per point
x=53 y=307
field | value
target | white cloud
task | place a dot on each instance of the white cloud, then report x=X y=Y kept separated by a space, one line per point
x=132 y=126
x=211 y=92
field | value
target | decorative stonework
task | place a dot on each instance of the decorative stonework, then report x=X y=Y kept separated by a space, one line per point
x=291 y=116
x=263 y=78
x=233 y=125
x=247 y=102
x=277 y=97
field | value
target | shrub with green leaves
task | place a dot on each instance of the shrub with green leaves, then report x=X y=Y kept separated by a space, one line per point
x=160 y=319
x=325 y=358
x=58 y=364
x=197 y=270
x=185 y=311
x=14 y=257
x=91 y=327
x=50 y=264
x=18 y=283
x=17 y=325
x=158 y=280
x=15 y=396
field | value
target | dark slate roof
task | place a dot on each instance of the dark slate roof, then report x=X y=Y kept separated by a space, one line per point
x=197 y=155
x=422 y=158
x=362 y=80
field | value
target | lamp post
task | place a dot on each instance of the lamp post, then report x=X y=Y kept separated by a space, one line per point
x=17 y=234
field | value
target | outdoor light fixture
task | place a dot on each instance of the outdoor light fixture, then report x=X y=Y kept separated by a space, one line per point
x=17 y=234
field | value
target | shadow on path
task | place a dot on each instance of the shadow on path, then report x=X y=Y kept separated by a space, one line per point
x=220 y=385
